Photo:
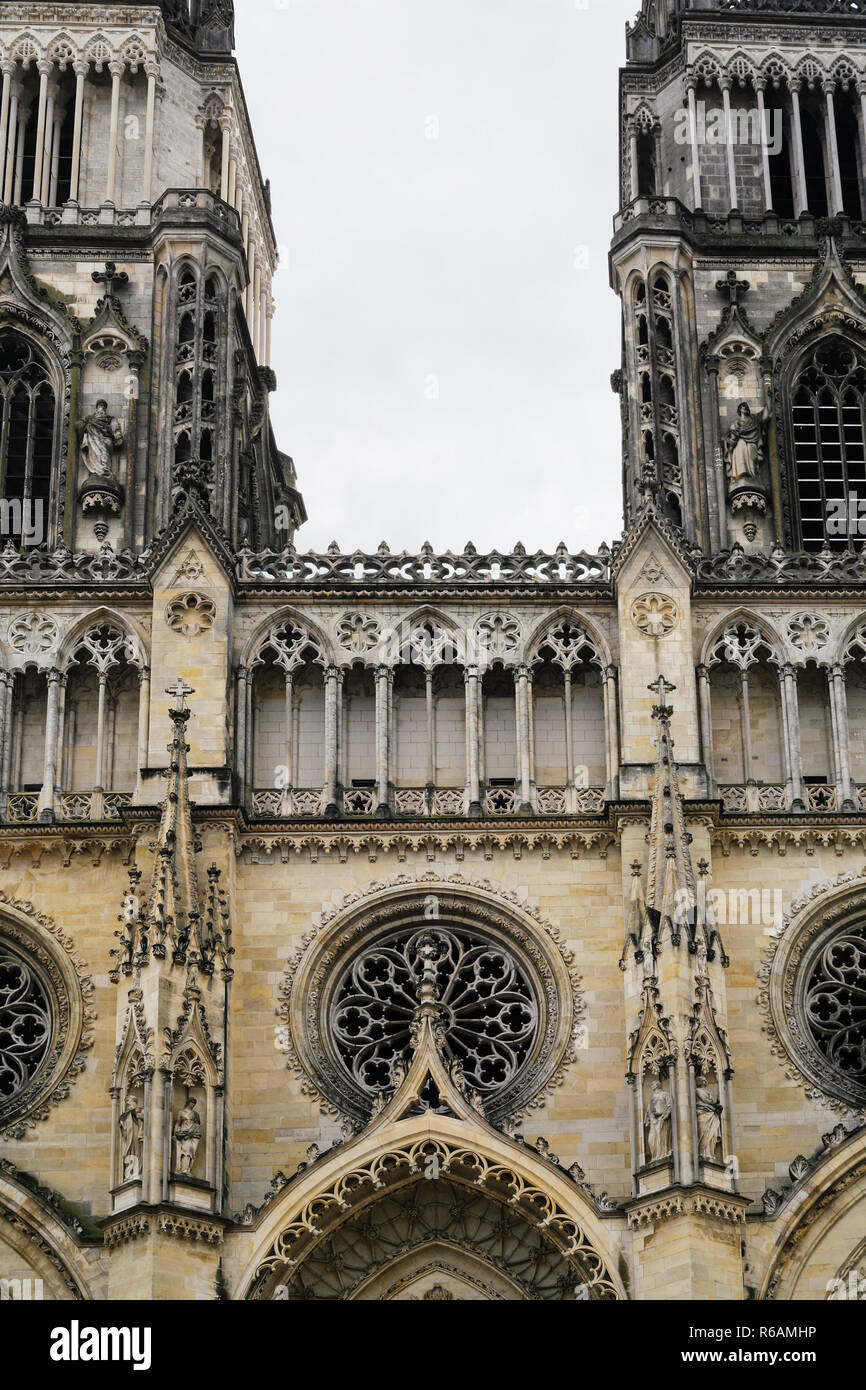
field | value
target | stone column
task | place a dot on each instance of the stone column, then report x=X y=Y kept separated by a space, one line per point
x=49 y=770
x=746 y=726
x=7 y=683
x=8 y=184
x=243 y=678
x=521 y=686
x=705 y=711
x=611 y=720
x=845 y=789
x=44 y=70
x=786 y=738
x=147 y=189
x=472 y=733
x=59 y=114
x=789 y=678
x=696 y=153
x=568 y=703
x=760 y=84
x=836 y=202
x=251 y=290
x=383 y=741
x=290 y=726
x=100 y=736
x=143 y=720
x=81 y=69
x=23 y=121
x=225 y=124
x=116 y=70
x=333 y=682
x=861 y=92
x=7 y=67
x=725 y=85
x=50 y=133
x=257 y=314
x=59 y=762
x=7 y=695
x=801 y=197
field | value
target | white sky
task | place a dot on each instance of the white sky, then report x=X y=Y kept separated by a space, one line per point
x=444 y=178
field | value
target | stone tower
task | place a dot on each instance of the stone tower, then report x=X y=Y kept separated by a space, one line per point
x=476 y=926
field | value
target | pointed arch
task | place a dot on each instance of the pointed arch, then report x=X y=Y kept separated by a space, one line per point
x=596 y=641
x=748 y=617
x=284 y=617
x=385 y=1161
x=819 y=1227
x=46 y=1239
x=134 y=649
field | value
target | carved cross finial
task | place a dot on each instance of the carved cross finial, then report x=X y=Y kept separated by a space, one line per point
x=733 y=288
x=179 y=692
x=661 y=689
x=110 y=277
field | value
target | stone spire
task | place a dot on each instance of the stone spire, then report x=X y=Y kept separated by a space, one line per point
x=670 y=894
x=170 y=923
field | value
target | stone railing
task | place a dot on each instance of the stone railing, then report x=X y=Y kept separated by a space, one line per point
x=335 y=568
x=183 y=201
x=427 y=802
x=778 y=567
x=22 y=808
x=752 y=799
x=822 y=798
x=723 y=224
x=63 y=566
x=851 y=7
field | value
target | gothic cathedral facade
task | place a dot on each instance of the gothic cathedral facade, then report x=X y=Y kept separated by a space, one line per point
x=443 y=926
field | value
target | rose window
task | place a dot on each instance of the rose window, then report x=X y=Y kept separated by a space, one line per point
x=25 y=1023
x=487 y=1008
x=835 y=1003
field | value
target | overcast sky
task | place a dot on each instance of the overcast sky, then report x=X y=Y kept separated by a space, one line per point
x=444 y=178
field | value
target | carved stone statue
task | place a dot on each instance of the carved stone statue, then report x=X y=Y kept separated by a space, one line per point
x=658 y=1123
x=744 y=445
x=709 y=1113
x=132 y=1138
x=187 y=1136
x=101 y=437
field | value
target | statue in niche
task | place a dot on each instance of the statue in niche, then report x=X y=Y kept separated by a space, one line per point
x=658 y=1123
x=709 y=1112
x=131 y=1125
x=744 y=445
x=101 y=438
x=187 y=1136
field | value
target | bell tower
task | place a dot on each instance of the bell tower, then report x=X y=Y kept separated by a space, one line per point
x=738 y=255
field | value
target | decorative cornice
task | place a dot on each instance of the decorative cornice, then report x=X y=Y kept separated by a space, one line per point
x=685 y=1201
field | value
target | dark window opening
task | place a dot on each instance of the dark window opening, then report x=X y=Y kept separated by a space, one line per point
x=829 y=434
x=847 y=139
x=781 y=167
x=816 y=173
x=646 y=164
x=27 y=423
